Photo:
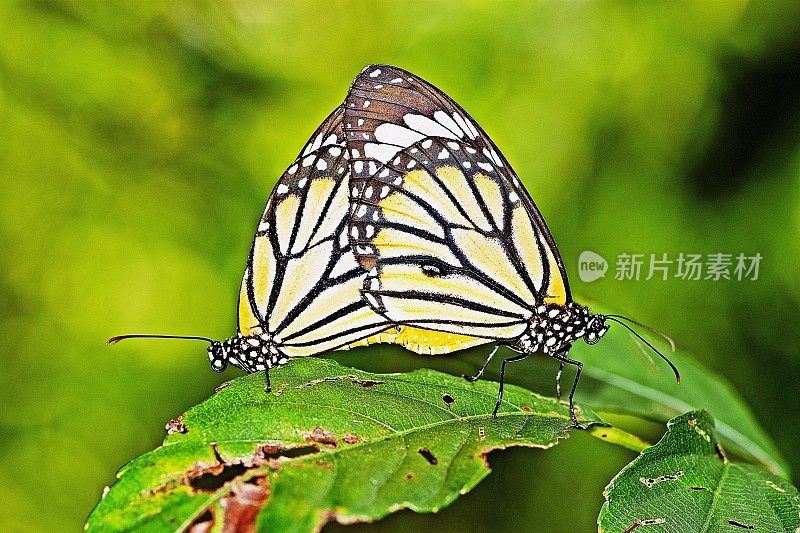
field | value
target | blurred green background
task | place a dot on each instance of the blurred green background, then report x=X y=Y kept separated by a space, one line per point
x=140 y=141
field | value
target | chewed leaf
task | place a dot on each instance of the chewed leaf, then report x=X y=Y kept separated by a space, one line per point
x=328 y=443
x=687 y=483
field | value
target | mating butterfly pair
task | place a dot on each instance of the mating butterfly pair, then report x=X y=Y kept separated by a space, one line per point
x=401 y=222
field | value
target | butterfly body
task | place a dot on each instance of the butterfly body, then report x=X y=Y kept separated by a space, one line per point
x=252 y=353
x=554 y=328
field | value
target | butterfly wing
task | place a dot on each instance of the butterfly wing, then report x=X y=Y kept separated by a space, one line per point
x=451 y=239
x=421 y=340
x=302 y=283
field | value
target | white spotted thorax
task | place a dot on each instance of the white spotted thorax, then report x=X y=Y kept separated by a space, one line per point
x=252 y=353
x=553 y=328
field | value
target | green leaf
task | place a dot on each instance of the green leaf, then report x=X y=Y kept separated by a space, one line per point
x=622 y=375
x=328 y=442
x=686 y=483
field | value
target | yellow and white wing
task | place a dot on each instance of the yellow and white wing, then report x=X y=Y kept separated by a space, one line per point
x=302 y=283
x=449 y=236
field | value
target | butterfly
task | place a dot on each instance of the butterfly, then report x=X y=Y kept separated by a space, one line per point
x=448 y=235
x=301 y=290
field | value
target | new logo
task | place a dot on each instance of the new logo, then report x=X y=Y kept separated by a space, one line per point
x=591 y=266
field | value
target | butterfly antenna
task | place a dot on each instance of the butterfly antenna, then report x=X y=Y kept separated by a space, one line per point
x=648 y=328
x=114 y=340
x=614 y=318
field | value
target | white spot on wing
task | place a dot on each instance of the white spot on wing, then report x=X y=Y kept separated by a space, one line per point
x=375 y=73
x=381 y=152
x=426 y=126
x=442 y=118
x=316 y=143
x=396 y=134
x=282 y=188
x=322 y=165
x=496 y=158
x=292 y=169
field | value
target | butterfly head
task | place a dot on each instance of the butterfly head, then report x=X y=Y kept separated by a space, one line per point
x=595 y=329
x=218 y=356
x=249 y=353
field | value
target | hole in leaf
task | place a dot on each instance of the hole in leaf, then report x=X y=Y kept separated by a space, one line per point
x=426 y=453
x=446 y=398
x=276 y=451
x=639 y=522
x=742 y=525
x=216 y=476
x=650 y=481
x=202 y=523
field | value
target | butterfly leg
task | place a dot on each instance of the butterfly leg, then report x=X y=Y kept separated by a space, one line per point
x=268 y=387
x=477 y=376
x=566 y=360
x=558 y=380
x=502 y=379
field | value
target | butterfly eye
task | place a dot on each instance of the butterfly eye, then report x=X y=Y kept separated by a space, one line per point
x=591 y=337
